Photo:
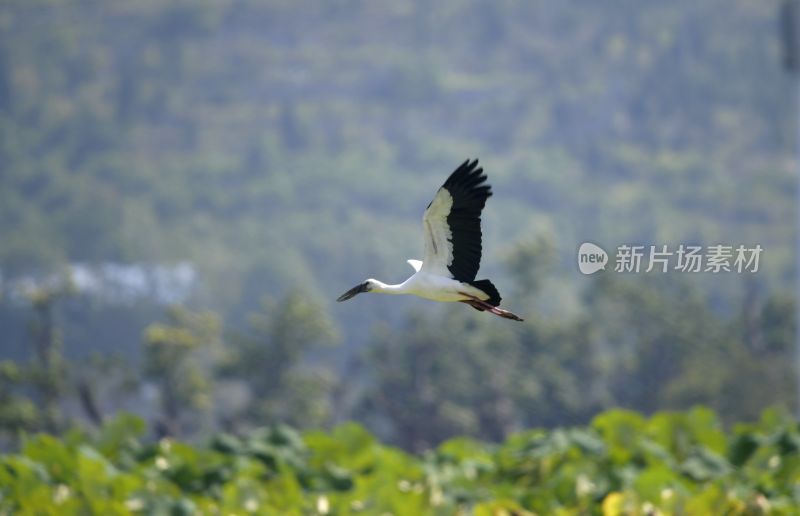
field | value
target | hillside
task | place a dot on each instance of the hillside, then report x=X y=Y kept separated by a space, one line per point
x=270 y=155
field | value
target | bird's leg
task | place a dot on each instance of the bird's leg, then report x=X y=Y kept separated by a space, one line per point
x=474 y=304
x=478 y=304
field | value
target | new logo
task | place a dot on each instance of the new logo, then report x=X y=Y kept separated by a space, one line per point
x=591 y=258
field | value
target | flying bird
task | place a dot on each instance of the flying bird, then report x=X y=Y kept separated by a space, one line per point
x=452 y=256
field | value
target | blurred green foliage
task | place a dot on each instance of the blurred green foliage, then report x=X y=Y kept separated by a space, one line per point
x=271 y=145
x=642 y=345
x=621 y=463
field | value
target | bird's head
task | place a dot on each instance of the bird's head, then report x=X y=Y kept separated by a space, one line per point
x=366 y=286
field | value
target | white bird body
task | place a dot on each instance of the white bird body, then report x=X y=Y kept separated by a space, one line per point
x=429 y=286
x=452 y=229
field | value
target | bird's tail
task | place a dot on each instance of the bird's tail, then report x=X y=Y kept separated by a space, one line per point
x=490 y=290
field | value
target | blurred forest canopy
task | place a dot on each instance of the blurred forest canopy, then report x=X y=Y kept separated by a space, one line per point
x=287 y=150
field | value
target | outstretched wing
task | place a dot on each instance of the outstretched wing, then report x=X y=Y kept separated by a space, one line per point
x=452 y=224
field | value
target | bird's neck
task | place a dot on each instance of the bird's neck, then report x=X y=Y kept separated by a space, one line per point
x=384 y=288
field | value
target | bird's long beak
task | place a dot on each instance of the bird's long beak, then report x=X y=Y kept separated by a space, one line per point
x=353 y=292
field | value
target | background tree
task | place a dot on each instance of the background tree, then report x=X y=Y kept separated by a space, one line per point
x=180 y=356
x=48 y=372
x=18 y=412
x=279 y=358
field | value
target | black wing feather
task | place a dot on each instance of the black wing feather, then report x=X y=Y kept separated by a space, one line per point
x=466 y=187
x=488 y=287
